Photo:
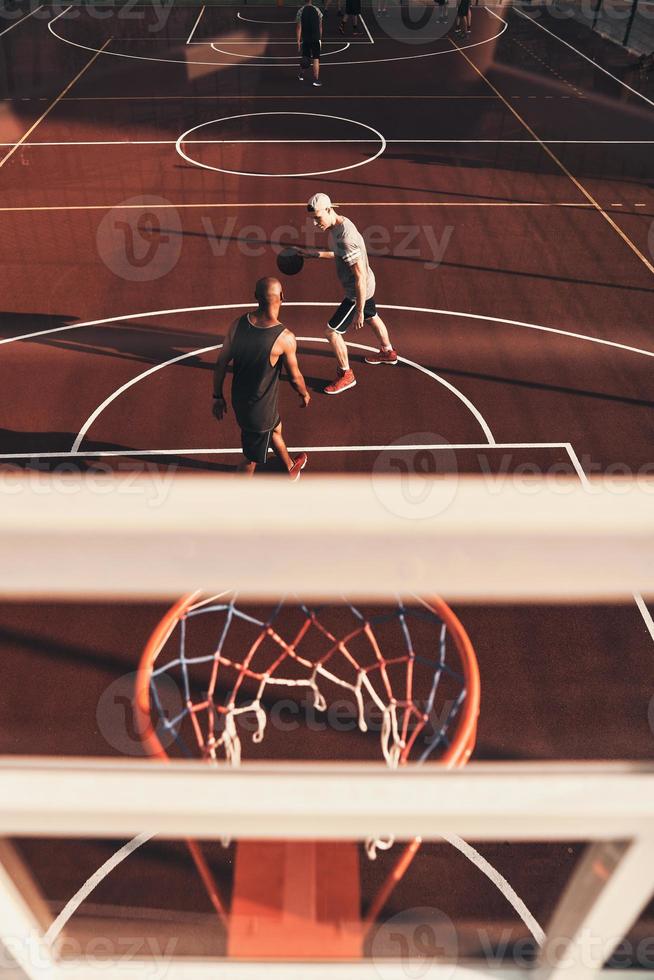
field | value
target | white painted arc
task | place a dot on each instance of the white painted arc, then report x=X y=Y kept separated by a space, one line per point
x=223 y=64
x=251 y=115
x=251 y=20
x=385 y=306
x=318 y=340
x=273 y=57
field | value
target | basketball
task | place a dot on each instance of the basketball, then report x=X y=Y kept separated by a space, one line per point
x=290 y=262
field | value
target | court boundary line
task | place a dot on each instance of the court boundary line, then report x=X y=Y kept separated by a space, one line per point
x=221 y=451
x=198 y=19
x=580 y=187
x=584 y=56
x=53 y=104
x=17 y=22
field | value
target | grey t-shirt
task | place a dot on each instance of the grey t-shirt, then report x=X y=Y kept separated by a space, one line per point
x=348 y=246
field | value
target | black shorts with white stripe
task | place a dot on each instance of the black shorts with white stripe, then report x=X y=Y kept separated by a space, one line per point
x=342 y=319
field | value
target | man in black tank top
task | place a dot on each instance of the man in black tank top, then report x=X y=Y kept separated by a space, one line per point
x=259 y=346
x=308 y=29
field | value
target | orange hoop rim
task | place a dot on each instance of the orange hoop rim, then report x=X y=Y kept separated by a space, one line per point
x=456 y=755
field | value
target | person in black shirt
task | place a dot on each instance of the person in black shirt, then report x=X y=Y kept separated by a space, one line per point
x=259 y=346
x=308 y=28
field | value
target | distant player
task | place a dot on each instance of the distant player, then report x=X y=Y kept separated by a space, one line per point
x=308 y=29
x=353 y=10
x=357 y=278
x=464 y=18
x=259 y=346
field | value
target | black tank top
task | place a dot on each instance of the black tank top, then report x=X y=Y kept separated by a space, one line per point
x=255 y=385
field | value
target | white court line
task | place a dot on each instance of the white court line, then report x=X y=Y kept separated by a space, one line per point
x=53 y=104
x=69 y=909
x=500 y=883
x=302 y=204
x=250 y=20
x=645 y=613
x=199 y=18
x=574 y=459
x=290 y=64
x=271 y=57
x=382 y=306
x=213 y=451
x=22 y=19
x=585 y=57
x=181 y=140
x=365 y=27
x=321 y=142
x=313 y=340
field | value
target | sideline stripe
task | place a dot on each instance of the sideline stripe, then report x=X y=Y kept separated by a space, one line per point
x=199 y=18
x=52 y=105
x=16 y=23
x=582 y=55
x=580 y=187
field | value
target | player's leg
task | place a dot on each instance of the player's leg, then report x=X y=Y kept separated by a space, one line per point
x=279 y=446
x=335 y=332
x=339 y=347
x=315 y=53
x=255 y=450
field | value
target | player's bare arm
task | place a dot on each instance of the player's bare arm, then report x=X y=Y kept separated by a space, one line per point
x=313 y=253
x=288 y=345
x=220 y=370
x=360 y=277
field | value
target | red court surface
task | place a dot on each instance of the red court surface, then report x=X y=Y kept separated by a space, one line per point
x=503 y=183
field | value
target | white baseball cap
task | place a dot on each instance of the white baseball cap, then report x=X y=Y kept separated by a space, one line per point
x=319 y=202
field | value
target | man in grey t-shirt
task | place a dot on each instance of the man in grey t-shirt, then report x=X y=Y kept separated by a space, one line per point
x=358 y=281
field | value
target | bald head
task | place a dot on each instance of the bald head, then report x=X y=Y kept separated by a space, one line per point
x=268 y=291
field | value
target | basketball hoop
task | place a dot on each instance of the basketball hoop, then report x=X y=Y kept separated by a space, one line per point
x=411 y=665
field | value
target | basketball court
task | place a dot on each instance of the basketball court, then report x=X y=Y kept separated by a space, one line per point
x=154 y=160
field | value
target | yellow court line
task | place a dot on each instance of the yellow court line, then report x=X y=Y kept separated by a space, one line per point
x=52 y=105
x=303 y=204
x=580 y=187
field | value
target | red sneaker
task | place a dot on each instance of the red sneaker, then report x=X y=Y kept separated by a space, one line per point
x=382 y=357
x=344 y=380
x=298 y=465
